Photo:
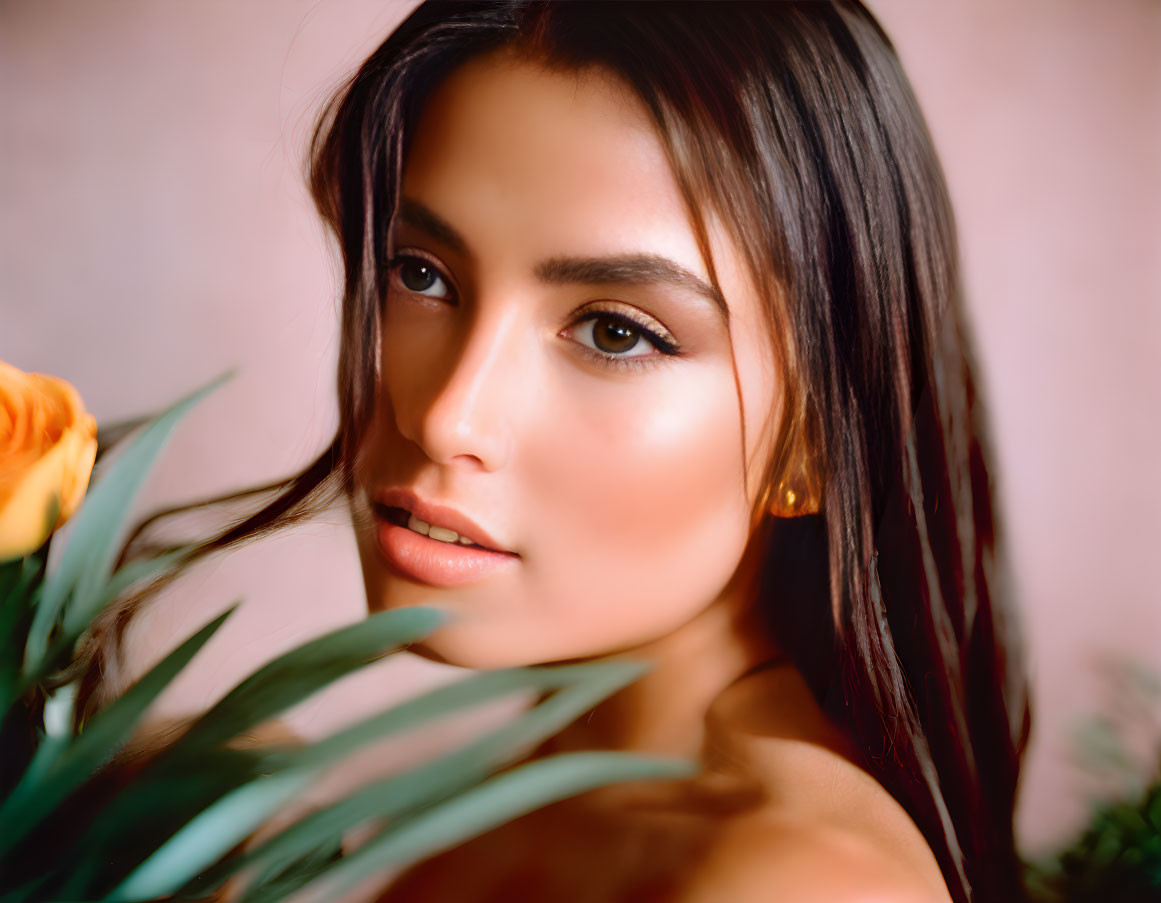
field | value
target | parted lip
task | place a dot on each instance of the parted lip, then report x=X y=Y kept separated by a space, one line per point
x=437 y=515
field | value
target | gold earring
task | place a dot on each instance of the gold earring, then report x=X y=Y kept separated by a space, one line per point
x=796 y=493
x=794 y=496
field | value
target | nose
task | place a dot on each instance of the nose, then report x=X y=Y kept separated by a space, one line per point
x=455 y=397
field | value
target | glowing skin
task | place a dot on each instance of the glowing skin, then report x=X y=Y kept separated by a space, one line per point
x=625 y=489
x=621 y=488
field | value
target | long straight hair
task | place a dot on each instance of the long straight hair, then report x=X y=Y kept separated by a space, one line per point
x=796 y=125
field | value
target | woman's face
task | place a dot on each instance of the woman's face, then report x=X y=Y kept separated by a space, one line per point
x=553 y=371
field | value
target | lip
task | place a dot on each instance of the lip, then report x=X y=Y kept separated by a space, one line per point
x=439 y=515
x=416 y=557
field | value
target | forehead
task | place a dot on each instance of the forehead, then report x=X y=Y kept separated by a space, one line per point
x=567 y=161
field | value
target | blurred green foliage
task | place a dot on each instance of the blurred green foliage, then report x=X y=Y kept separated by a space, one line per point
x=1117 y=857
x=89 y=812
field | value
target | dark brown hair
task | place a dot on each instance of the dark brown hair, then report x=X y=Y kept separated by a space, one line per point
x=795 y=123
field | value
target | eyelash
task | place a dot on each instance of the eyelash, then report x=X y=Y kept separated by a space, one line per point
x=664 y=347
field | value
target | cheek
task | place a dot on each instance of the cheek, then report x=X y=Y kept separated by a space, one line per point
x=640 y=504
x=415 y=340
x=627 y=499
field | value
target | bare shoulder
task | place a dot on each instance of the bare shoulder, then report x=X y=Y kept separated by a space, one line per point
x=770 y=858
x=826 y=831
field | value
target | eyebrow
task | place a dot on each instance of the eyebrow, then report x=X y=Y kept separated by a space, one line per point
x=621 y=269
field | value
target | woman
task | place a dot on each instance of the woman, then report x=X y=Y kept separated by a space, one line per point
x=653 y=347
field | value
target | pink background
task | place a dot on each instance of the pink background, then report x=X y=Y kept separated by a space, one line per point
x=156 y=231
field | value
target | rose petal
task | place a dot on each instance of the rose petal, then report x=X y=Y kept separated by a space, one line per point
x=48 y=447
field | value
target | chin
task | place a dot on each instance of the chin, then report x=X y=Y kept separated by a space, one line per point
x=459 y=648
x=468 y=646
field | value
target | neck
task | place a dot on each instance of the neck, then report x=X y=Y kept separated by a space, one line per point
x=664 y=711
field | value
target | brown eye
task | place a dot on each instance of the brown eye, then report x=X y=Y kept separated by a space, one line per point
x=616 y=339
x=614 y=336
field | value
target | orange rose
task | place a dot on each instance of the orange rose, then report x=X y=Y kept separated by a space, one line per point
x=48 y=443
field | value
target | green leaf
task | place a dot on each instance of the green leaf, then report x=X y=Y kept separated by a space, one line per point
x=493 y=803
x=9 y=577
x=435 y=780
x=278 y=885
x=303 y=671
x=43 y=788
x=48 y=751
x=74 y=590
x=126 y=576
x=149 y=810
x=110 y=434
x=19 y=595
x=22 y=586
x=183 y=781
x=597 y=680
x=16 y=613
x=61 y=647
x=24 y=893
x=209 y=836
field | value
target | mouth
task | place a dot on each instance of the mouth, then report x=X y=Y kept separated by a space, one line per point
x=432 y=554
x=401 y=517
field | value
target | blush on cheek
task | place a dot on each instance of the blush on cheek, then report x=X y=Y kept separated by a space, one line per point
x=644 y=508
